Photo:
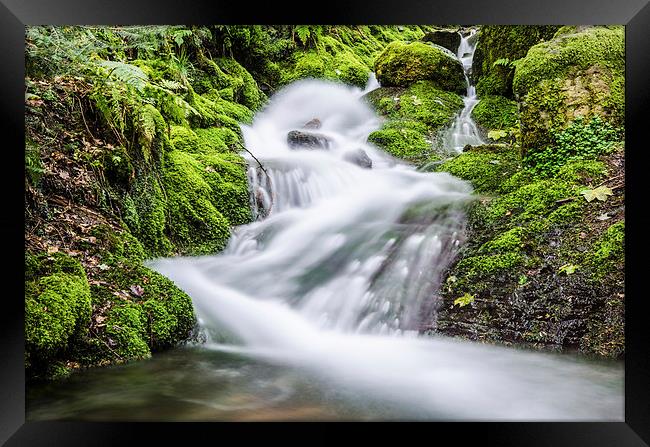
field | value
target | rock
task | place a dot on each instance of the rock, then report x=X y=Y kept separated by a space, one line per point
x=306 y=140
x=313 y=124
x=445 y=38
x=358 y=157
x=509 y=42
x=583 y=71
x=402 y=64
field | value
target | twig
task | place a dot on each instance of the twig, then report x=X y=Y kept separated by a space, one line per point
x=251 y=154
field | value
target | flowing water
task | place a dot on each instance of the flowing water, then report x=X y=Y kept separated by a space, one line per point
x=464 y=130
x=312 y=312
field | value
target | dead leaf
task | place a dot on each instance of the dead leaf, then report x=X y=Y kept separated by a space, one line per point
x=64 y=175
x=51 y=250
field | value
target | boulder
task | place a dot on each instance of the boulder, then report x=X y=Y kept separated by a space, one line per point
x=402 y=64
x=579 y=74
x=306 y=140
x=504 y=43
x=449 y=39
x=358 y=157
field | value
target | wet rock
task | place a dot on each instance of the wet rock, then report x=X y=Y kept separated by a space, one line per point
x=313 y=124
x=307 y=140
x=449 y=39
x=358 y=157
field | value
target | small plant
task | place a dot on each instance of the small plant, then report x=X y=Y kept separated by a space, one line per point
x=464 y=300
x=582 y=140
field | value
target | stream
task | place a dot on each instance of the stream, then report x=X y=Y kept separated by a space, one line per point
x=313 y=310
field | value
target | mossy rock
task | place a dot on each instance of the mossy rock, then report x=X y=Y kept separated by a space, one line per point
x=57 y=308
x=504 y=43
x=495 y=113
x=415 y=115
x=575 y=75
x=401 y=64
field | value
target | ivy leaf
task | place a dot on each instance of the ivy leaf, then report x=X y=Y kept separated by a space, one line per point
x=599 y=193
x=464 y=300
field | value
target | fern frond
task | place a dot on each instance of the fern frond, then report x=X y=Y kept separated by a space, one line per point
x=126 y=73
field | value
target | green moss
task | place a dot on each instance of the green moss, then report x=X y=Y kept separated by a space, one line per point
x=57 y=305
x=216 y=139
x=195 y=224
x=485 y=167
x=506 y=43
x=510 y=241
x=482 y=267
x=401 y=64
x=495 y=112
x=184 y=139
x=150 y=203
x=406 y=142
x=567 y=214
x=553 y=59
x=415 y=115
x=608 y=252
x=582 y=171
x=126 y=329
x=529 y=202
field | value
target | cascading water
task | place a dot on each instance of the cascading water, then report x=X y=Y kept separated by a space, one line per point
x=335 y=276
x=313 y=309
x=464 y=130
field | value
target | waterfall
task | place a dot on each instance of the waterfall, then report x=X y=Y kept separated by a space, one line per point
x=341 y=266
x=464 y=131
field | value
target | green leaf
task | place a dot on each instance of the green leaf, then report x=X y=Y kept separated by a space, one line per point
x=569 y=269
x=464 y=300
x=599 y=193
x=497 y=134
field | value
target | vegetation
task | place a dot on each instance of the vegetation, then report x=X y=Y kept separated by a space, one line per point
x=133 y=144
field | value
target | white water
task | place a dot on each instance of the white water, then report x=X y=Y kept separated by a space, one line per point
x=342 y=266
x=464 y=130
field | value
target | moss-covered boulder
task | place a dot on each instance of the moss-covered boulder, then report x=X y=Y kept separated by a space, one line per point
x=414 y=115
x=497 y=48
x=57 y=307
x=401 y=64
x=579 y=75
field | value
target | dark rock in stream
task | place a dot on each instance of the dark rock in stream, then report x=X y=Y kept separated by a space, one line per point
x=306 y=140
x=449 y=39
x=358 y=157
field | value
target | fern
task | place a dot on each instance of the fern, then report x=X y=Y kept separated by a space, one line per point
x=126 y=73
x=303 y=33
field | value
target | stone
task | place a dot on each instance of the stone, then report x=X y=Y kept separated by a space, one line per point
x=306 y=140
x=449 y=39
x=359 y=157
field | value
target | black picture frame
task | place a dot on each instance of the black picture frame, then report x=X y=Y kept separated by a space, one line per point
x=16 y=14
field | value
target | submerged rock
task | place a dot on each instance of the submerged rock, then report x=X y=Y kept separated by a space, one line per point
x=306 y=140
x=449 y=39
x=358 y=157
x=313 y=124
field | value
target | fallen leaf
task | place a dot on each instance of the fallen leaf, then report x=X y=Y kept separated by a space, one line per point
x=599 y=193
x=51 y=250
x=64 y=175
x=604 y=216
